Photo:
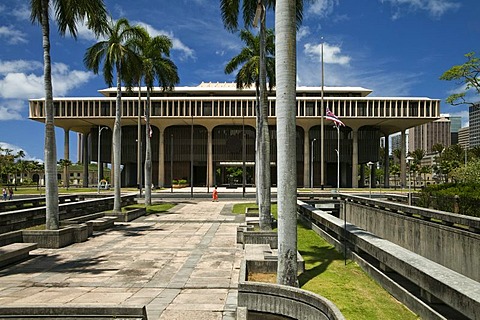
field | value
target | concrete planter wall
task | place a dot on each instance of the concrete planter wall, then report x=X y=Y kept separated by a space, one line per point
x=261 y=237
x=129 y=215
x=52 y=239
x=264 y=298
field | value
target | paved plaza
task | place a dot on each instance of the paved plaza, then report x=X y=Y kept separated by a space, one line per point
x=183 y=264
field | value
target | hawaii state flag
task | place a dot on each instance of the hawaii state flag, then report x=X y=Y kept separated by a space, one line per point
x=331 y=116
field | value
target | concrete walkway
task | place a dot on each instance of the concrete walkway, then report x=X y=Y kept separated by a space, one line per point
x=181 y=265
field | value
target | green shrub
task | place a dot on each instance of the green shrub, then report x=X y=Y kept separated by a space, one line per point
x=442 y=197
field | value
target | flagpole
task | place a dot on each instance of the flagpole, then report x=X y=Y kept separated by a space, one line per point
x=338 y=158
x=322 y=130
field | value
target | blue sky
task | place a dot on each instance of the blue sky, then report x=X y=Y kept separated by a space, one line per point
x=394 y=47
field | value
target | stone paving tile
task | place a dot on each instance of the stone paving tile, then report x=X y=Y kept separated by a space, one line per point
x=183 y=265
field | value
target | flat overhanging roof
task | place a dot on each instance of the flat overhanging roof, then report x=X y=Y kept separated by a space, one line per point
x=224 y=87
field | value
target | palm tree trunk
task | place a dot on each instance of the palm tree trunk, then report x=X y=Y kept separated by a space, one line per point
x=117 y=145
x=285 y=65
x=257 y=143
x=139 y=140
x=148 y=154
x=264 y=185
x=50 y=149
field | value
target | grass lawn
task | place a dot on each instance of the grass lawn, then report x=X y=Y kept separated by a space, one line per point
x=356 y=295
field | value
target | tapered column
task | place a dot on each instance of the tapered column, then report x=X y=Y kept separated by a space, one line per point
x=66 y=156
x=355 y=158
x=403 y=166
x=386 y=161
x=161 y=158
x=306 y=161
x=210 y=175
x=85 y=160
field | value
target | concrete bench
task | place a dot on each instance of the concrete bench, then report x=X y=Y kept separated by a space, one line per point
x=14 y=252
x=103 y=223
x=84 y=218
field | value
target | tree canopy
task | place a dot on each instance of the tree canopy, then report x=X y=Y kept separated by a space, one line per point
x=468 y=76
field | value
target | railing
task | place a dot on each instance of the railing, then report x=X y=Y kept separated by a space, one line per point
x=355 y=107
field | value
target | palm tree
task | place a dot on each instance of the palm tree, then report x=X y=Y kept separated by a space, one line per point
x=285 y=63
x=155 y=66
x=118 y=55
x=65 y=163
x=67 y=15
x=248 y=74
x=250 y=9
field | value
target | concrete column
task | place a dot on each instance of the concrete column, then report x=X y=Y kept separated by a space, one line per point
x=386 y=161
x=306 y=159
x=403 y=166
x=66 y=156
x=211 y=173
x=85 y=160
x=161 y=158
x=355 y=158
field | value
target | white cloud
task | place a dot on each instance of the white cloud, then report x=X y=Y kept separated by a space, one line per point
x=303 y=32
x=15 y=149
x=19 y=66
x=331 y=53
x=6 y=113
x=352 y=72
x=16 y=87
x=187 y=53
x=21 y=12
x=322 y=8
x=435 y=8
x=12 y=35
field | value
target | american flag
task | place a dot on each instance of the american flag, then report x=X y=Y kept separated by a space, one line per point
x=331 y=116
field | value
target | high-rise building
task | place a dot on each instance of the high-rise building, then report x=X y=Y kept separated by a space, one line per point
x=427 y=135
x=474 y=119
x=463 y=137
x=455 y=125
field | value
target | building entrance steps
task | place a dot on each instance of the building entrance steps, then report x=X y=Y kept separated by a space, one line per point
x=183 y=264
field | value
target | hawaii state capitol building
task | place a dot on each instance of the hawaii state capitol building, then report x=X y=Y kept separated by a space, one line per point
x=201 y=133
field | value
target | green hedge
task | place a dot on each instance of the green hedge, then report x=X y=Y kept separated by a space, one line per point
x=443 y=197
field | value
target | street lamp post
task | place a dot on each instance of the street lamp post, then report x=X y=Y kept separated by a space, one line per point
x=312 y=156
x=370 y=165
x=98 y=157
x=409 y=159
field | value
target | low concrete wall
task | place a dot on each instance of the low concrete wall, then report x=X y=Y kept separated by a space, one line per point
x=74 y=312
x=129 y=215
x=451 y=247
x=437 y=283
x=261 y=237
x=282 y=300
x=11 y=237
x=25 y=218
x=53 y=239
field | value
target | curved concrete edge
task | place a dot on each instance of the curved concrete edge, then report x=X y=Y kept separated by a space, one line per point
x=283 y=300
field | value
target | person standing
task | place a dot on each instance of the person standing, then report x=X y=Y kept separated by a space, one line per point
x=10 y=193
x=4 y=194
x=215 y=194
